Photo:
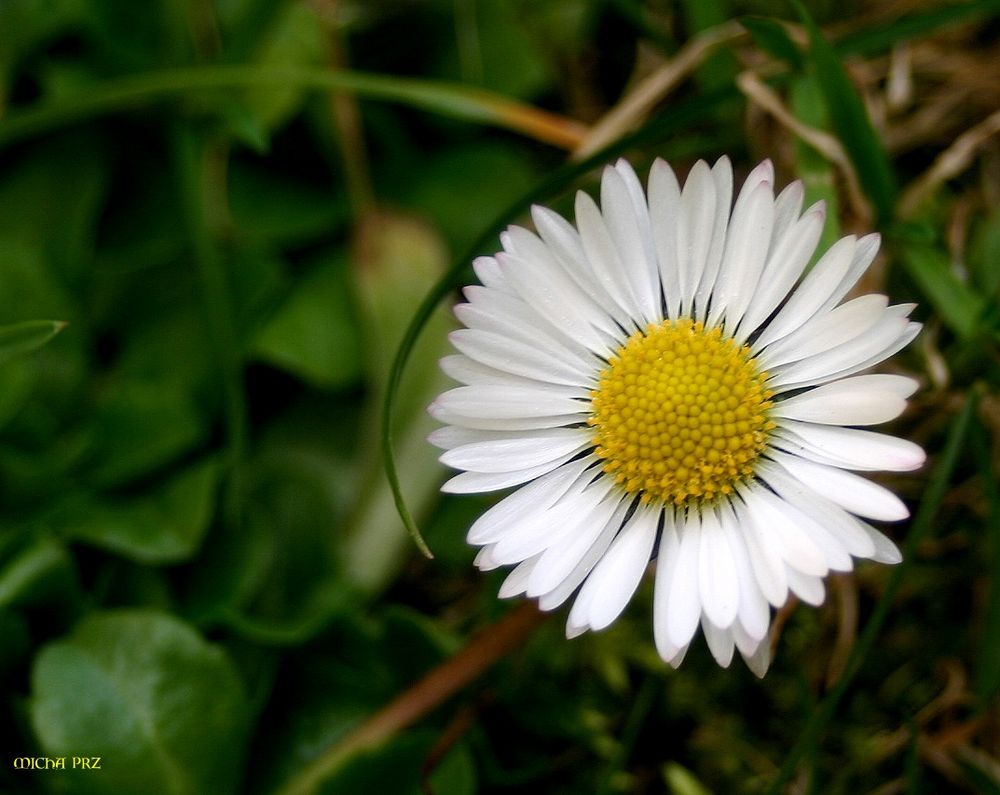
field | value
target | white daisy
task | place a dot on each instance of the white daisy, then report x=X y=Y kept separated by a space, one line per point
x=662 y=381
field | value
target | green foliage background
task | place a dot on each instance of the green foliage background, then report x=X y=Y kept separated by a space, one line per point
x=236 y=207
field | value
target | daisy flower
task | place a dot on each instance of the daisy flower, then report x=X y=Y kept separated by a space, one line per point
x=665 y=380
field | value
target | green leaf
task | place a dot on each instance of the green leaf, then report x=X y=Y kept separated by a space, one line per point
x=137 y=427
x=296 y=38
x=21 y=338
x=958 y=306
x=270 y=205
x=165 y=524
x=37 y=210
x=164 y=710
x=312 y=334
x=850 y=120
x=774 y=40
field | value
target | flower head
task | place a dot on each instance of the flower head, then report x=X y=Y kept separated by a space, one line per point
x=662 y=381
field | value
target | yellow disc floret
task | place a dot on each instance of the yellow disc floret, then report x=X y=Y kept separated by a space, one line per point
x=680 y=413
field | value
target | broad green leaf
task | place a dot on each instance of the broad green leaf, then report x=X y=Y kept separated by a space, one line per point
x=138 y=426
x=850 y=120
x=495 y=49
x=28 y=288
x=313 y=334
x=164 y=710
x=269 y=204
x=38 y=210
x=21 y=338
x=959 y=307
x=164 y=524
x=296 y=38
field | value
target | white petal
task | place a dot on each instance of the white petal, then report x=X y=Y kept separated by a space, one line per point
x=754 y=614
x=695 y=226
x=765 y=555
x=489 y=273
x=722 y=175
x=747 y=243
x=830 y=517
x=550 y=598
x=546 y=529
x=512 y=317
x=819 y=370
x=813 y=293
x=786 y=527
x=757 y=655
x=563 y=241
x=847 y=355
x=683 y=602
x=720 y=642
x=520 y=358
x=664 y=210
x=471 y=373
x=517 y=581
x=560 y=560
x=788 y=208
x=859 y=400
x=809 y=589
x=472 y=482
x=857 y=449
x=785 y=263
x=641 y=207
x=616 y=577
x=501 y=402
x=666 y=565
x=826 y=331
x=605 y=264
x=535 y=497
x=852 y=492
x=717 y=579
x=620 y=217
x=515 y=453
x=553 y=295
x=885 y=550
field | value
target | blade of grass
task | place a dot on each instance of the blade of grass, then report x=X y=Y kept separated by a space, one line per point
x=849 y=120
x=812 y=732
x=957 y=305
x=987 y=676
x=874 y=39
x=141 y=90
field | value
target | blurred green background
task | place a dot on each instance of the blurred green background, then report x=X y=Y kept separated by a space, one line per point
x=237 y=205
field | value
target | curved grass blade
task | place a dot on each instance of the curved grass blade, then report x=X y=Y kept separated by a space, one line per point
x=812 y=732
x=850 y=120
x=141 y=90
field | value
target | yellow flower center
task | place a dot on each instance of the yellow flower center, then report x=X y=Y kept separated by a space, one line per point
x=680 y=413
